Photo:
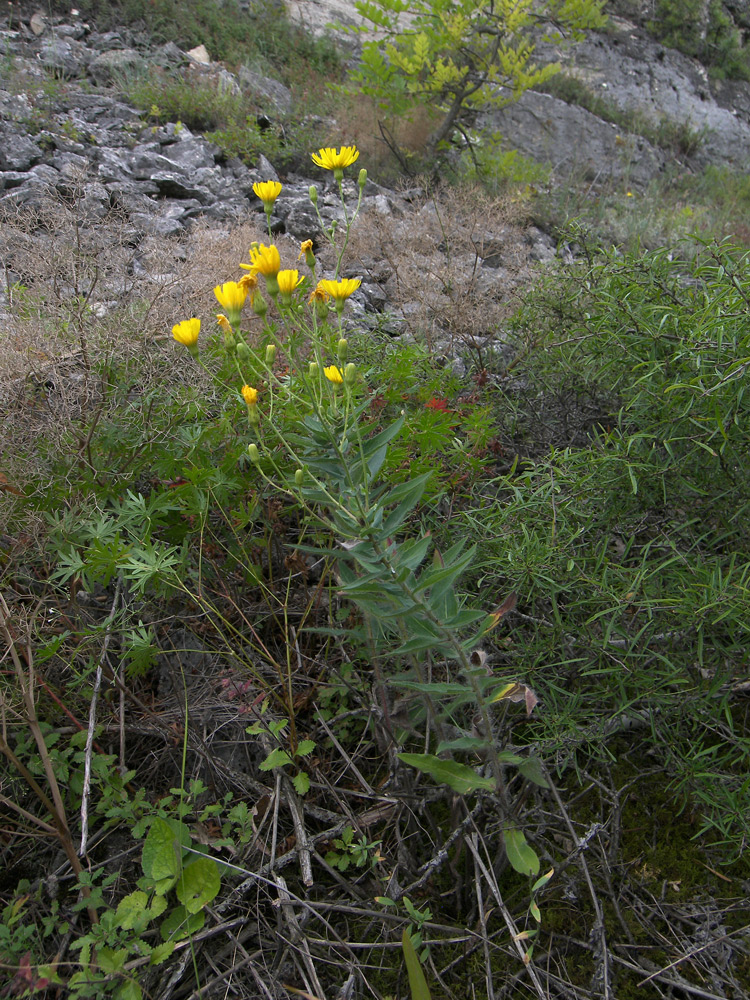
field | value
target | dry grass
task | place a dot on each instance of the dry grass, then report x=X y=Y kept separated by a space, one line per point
x=450 y=263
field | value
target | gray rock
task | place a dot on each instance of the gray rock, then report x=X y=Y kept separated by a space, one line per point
x=64 y=56
x=115 y=64
x=301 y=222
x=575 y=142
x=17 y=152
x=266 y=88
x=168 y=56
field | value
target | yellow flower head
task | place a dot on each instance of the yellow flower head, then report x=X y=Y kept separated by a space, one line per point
x=339 y=290
x=329 y=159
x=187 y=331
x=288 y=281
x=250 y=395
x=305 y=248
x=318 y=296
x=334 y=374
x=249 y=282
x=231 y=295
x=224 y=323
x=267 y=191
x=264 y=260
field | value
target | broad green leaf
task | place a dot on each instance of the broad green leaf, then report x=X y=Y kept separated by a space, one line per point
x=161 y=852
x=521 y=856
x=181 y=924
x=459 y=777
x=199 y=884
x=131 y=910
x=305 y=747
x=110 y=960
x=417 y=982
x=129 y=990
x=276 y=758
x=531 y=768
x=301 y=783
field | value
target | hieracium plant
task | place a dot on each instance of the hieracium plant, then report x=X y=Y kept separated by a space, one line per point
x=314 y=436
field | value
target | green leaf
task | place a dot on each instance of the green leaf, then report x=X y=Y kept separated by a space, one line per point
x=110 y=960
x=531 y=768
x=417 y=982
x=161 y=852
x=129 y=990
x=181 y=924
x=301 y=783
x=305 y=747
x=199 y=884
x=131 y=910
x=459 y=777
x=161 y=953
x=276 y=758
x=521 y=856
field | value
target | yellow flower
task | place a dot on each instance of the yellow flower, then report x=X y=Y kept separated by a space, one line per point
x=318 y=296
x=250 y=395
x=329 y=159
x=333 y=374
x=232 y=296
x=249 y=282
x=224 y=323
x=304 y=247
x=264 y=260
x=268 y=192
x=288 y=281
x=186 y=333
x=339 y=290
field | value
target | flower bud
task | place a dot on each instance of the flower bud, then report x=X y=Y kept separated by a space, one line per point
x=260 y=306
x=350 y=374
x=299 y=476
x=252 y=450
x=313 y=369
x=243 y=351
x=270 y=354
x=362 y=180
x=342 y=350
x=313 y=192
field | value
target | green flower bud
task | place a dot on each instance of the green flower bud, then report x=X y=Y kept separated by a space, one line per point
x=270 y=354
x=243 y=351
x=350 y=374
x=260 y=306
x=299 y=476
x=313 y=192
x=362 y=180
x=342 y=350
x=252 y=450
x=313 y=369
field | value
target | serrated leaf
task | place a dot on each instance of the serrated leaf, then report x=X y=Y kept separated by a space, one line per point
x=130 y=909
x=110 y=960
x=305 y=747
x=521 y=856
x=161 y=852
x=301 y=783
x=460 y=777
x=276 y=758
x=129 y=990
x=161 y=953
x=199 y=884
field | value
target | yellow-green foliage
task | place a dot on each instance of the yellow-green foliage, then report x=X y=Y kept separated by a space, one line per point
x=458 y=57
